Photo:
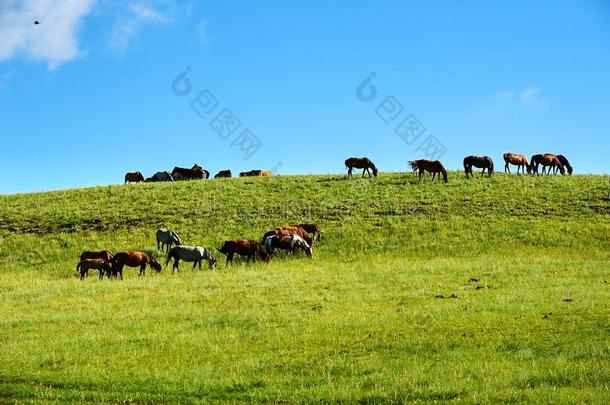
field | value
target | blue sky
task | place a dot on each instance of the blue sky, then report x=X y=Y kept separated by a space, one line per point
x=87 y=95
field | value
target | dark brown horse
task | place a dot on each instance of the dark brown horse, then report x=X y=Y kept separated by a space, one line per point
x=256 y=173
x=290 y=230
x=312 y=229
x=223 y=174
x=194 y=173
x=134 y=259
x=546 y=160
x=104 y=255
x=247 y=248
x=518 y=160
x=102 y=266
x=431 y=166
x=363 y=163
x=481 y=162
x=566 y=163
x=135 y=177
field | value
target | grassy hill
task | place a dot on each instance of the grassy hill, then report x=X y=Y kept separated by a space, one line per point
x=386 y=311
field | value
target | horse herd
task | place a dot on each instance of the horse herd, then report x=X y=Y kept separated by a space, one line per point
x=548 y=161
x=291 y=239
x=194 y=173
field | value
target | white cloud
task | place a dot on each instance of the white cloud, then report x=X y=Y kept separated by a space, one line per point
x=137 y=15
x=202 y=31
x=53 y=41
x=529 y=96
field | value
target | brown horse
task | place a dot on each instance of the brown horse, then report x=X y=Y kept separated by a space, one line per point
x=134 y=259
x=547 y=160
x=194 y=173
x=518 y=160
x=566 y=163
x=431 y=166
x=312 y=229
x=223 y=174
x=256 y=173
x=363 y=163
x=135 y=177
x=483 y=162
x=290 y=230
x=102 y=266
x=247 y=248
x=104 y=255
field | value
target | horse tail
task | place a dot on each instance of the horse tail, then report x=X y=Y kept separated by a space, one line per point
x=465 y=164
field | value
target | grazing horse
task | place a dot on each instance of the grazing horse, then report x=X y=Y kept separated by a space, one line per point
x=104 y=255
x=193 y=254
x=160 y=177
x=223 y=174
x=247 y=248
x=288 y=231
x=135 y=177
x=167 y=238
x=194 y=173
x=100 y=265
x=431 y=166
x=256 y=173
x=134 y=259
x=312 y=229
x=566 y=163
x=518 y=160
x=288 y=243
x=483 y=162
x=360 y=163
x=546 y=160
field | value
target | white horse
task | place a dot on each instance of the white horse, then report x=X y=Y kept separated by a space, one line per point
x=193 y=254
x=167 y=238
x=289 y=243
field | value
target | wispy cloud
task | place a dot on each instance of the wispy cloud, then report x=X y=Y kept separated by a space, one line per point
x=135 y=17
x=202 y=31
x=54 y=40
x=529 y=96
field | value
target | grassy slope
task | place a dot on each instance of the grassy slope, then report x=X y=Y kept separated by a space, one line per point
x=358 y=322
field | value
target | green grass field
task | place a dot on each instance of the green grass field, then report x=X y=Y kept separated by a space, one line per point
x=363 y=321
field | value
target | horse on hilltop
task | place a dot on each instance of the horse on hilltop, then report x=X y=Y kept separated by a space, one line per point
x=134 y=177
x=363 y=163
x=518 y=160
x=431 y=166
x=481 y=162
x=546 y=160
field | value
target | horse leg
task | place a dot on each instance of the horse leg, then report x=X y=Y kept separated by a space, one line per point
x=363 y=171
x=349 y=172
x=143 y=269
x=507 y=169
x=194 y=265
x=230 y=258
x=433 y=176
x=175 y=266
